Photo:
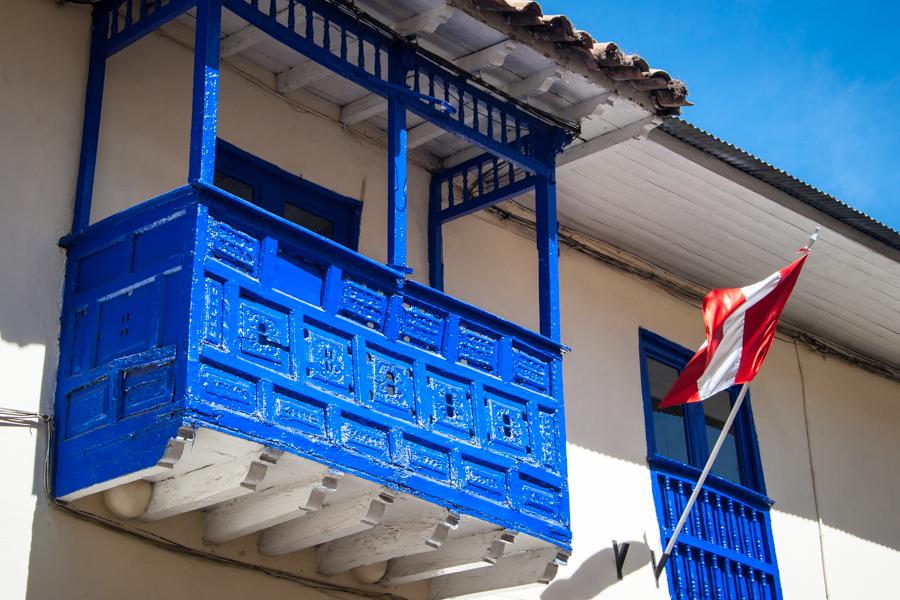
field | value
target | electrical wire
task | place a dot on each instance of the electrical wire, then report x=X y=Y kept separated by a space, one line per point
x=11 y=417
x=812 y=470
x=18 y=418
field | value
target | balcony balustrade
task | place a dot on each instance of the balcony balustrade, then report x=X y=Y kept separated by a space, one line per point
x=197 y=316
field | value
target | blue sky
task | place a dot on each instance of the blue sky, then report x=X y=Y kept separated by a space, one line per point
x=810 y=87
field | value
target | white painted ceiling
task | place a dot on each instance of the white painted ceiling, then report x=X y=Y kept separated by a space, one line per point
x=669 y=210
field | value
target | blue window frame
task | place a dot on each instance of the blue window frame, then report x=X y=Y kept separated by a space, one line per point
x=726 y=550
x=311 y=206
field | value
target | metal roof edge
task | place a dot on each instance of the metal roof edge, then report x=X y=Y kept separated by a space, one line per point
x=784 y=182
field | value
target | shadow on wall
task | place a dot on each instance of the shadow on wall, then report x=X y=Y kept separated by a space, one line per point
x=597 y=573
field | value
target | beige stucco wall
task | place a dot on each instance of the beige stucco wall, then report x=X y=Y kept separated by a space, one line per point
x=853 y=415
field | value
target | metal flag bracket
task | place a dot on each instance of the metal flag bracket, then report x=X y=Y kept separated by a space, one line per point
x=620 y=553
x=658 y=568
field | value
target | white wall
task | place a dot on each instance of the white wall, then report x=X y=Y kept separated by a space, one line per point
x=853 y=415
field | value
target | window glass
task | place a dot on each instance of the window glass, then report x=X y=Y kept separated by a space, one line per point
x=715 y=413
x=668 y=423
x=235 y=186
x=313 y=222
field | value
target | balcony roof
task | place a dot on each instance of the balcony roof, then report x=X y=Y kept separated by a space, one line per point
x=787 y=183
x=541 y=61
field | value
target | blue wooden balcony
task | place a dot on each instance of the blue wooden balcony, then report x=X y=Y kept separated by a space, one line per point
x=199 y=310
x=217 y=357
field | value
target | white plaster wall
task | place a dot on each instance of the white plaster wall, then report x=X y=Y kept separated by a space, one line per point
x=854 y=418
x=853 y=415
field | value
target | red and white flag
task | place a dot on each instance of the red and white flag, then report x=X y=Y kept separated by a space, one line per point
x=740 y=326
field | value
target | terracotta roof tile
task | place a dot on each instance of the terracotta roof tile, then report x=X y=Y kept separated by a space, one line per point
x=668 y=94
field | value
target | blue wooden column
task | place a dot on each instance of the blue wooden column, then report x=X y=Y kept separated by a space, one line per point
x=205 y=101
x=396 y=184
x=548 y=254
x=90 y=133
x=435 y=236
x=398 y=60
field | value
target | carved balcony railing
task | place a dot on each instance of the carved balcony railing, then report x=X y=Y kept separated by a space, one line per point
x=198 y=310
x=725 y=549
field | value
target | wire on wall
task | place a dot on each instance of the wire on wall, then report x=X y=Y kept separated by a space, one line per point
x=812 y=469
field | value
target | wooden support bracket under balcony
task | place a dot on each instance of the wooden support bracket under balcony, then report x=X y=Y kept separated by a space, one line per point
x=209 y=485
x=386 y=541
x=347 y=518
x=510 y=572
x=454 y=556
x=249 y=514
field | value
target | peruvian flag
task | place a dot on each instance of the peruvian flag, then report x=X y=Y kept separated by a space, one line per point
x=740 y=326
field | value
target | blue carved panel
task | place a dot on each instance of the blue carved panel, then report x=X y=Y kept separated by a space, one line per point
x=478 y=349
x=508 y=429
x=531 y=371
x=265 y=335
x=366 y=437
x=127 y=323
x=422 y=327
x=275 y=334
x=213 y=311
x=234 y=247
x=329 y=365
x=392 y=388
x=549 y=428
x=451 y=406
x=226 y=389
x=88 y=408
x=540 y=498
x=484 y=479
x=299 y=413
x=147 y=387
x=422 y=457
x=363 y=304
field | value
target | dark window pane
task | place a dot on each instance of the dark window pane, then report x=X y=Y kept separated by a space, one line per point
x=668 y=423
x=311 y=221
x=233 y=185
x=715 y=413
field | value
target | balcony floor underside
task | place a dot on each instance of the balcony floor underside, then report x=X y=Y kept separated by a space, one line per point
x=292 y=504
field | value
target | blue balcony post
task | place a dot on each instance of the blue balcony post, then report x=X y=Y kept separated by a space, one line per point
x=548 y=254
x=435 y=236
x=396 y=184
x=205 y=101
x=398 y=60
x=90 y=133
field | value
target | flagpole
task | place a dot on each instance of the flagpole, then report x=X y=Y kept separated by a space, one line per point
x=706 y=469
